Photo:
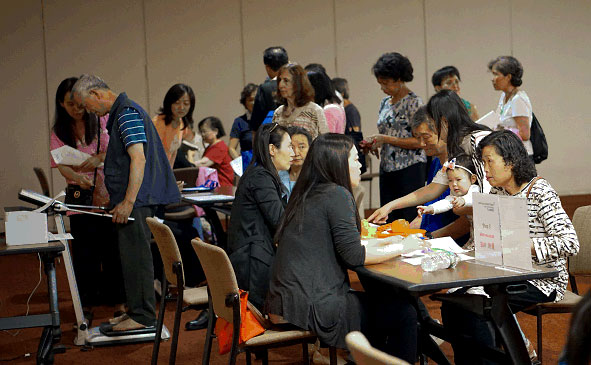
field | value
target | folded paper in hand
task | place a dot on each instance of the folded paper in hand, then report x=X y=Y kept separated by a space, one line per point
x=67 y=155
x=491 y=120
x=237 y=165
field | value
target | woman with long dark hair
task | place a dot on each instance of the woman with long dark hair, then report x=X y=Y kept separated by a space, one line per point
x=317 y=241
x=175 y=115
x=325 y=96
x=256 y=211
x=94 y=249
x=453 y=124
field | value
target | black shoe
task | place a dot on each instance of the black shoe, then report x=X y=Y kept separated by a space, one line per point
x=198 y=323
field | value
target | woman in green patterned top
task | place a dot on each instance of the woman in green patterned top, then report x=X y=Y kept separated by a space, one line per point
x=448 y=78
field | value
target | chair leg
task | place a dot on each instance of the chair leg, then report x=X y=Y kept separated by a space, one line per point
x=178 y=312
x=573 y=284
x=160 y=322
x=210 y=334
x=265 y=356
x=248 y=362
x=333 y=355
x=305 y=353
x=539 y=323
x=208 y=339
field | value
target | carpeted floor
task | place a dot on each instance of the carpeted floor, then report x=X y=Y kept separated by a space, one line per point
x=20 y=275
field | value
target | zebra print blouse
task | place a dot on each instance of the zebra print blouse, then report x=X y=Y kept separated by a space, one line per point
x=551 y=231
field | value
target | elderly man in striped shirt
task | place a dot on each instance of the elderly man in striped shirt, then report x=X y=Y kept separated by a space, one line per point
x=140 y=182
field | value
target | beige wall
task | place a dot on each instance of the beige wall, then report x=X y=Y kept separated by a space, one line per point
x=216 y=47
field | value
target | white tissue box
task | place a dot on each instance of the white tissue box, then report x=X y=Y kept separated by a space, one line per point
x=25 y=228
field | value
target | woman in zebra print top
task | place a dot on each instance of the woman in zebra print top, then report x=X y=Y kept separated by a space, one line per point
x=511 y=172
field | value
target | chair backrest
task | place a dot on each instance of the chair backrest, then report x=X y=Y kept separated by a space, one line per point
x=187 y=174
x=42 y=180
x=581 y=263
x=169 y=251
x=220 y=276
x=364 y=354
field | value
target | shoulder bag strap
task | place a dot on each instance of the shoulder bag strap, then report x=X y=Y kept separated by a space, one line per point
x=98 y=145
x=531 y=185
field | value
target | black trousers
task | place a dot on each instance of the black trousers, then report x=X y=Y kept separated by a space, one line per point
x=465 y=323
x=95 y=256
x=396 y=184
x=388 y=319
x=136 y=262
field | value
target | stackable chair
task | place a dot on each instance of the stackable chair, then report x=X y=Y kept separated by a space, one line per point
x=577 y=265
x=364 y=354
x=42 y=180
x=195 y=298
x=224 y=302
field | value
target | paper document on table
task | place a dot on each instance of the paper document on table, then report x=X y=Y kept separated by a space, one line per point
x=237 y=165
x=67 y=155
x=491 y=120
x=209 y=198
x=446 y=243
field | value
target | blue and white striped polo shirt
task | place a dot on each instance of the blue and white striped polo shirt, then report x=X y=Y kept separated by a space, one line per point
x=131 y=127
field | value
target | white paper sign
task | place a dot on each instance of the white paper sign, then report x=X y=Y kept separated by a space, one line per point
x=501 y=230
x=515 y=232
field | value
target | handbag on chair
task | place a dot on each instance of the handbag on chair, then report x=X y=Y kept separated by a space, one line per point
x=249 y=326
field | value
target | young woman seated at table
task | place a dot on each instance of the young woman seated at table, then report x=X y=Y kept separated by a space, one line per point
x=257 y=208
x=301 y=140
x=511 y=172
x=318 y=240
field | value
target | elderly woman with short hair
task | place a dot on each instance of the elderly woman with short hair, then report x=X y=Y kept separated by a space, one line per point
x=514 y=105
x=511 y=172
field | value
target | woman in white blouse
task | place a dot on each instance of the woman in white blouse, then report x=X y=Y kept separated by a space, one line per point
x=514 y=105
x=511 y=172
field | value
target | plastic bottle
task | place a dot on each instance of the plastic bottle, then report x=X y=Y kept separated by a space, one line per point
x=437 y=260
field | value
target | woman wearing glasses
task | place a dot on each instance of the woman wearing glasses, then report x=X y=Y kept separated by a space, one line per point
x=256 y=211
x=298 y=108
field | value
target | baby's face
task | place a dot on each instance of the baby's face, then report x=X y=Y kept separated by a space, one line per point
x=459 y=181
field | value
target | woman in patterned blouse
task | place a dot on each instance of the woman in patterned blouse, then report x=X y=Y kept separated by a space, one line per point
x=511 y=172
x=403 y=163
x=298 y=108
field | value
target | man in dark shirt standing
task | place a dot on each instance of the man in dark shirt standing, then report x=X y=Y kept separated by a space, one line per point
x=264 y=101
x=140 y=181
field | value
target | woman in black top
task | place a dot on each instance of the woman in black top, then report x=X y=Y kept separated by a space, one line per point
x=256 y=211
x=318 y=240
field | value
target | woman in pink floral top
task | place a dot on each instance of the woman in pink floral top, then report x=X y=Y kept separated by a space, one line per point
x=94 y=249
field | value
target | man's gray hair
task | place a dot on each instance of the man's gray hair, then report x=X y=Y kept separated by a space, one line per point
x=86 y=83
x=421 y=116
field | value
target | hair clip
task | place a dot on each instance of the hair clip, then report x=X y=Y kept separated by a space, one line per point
x=449 y=165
